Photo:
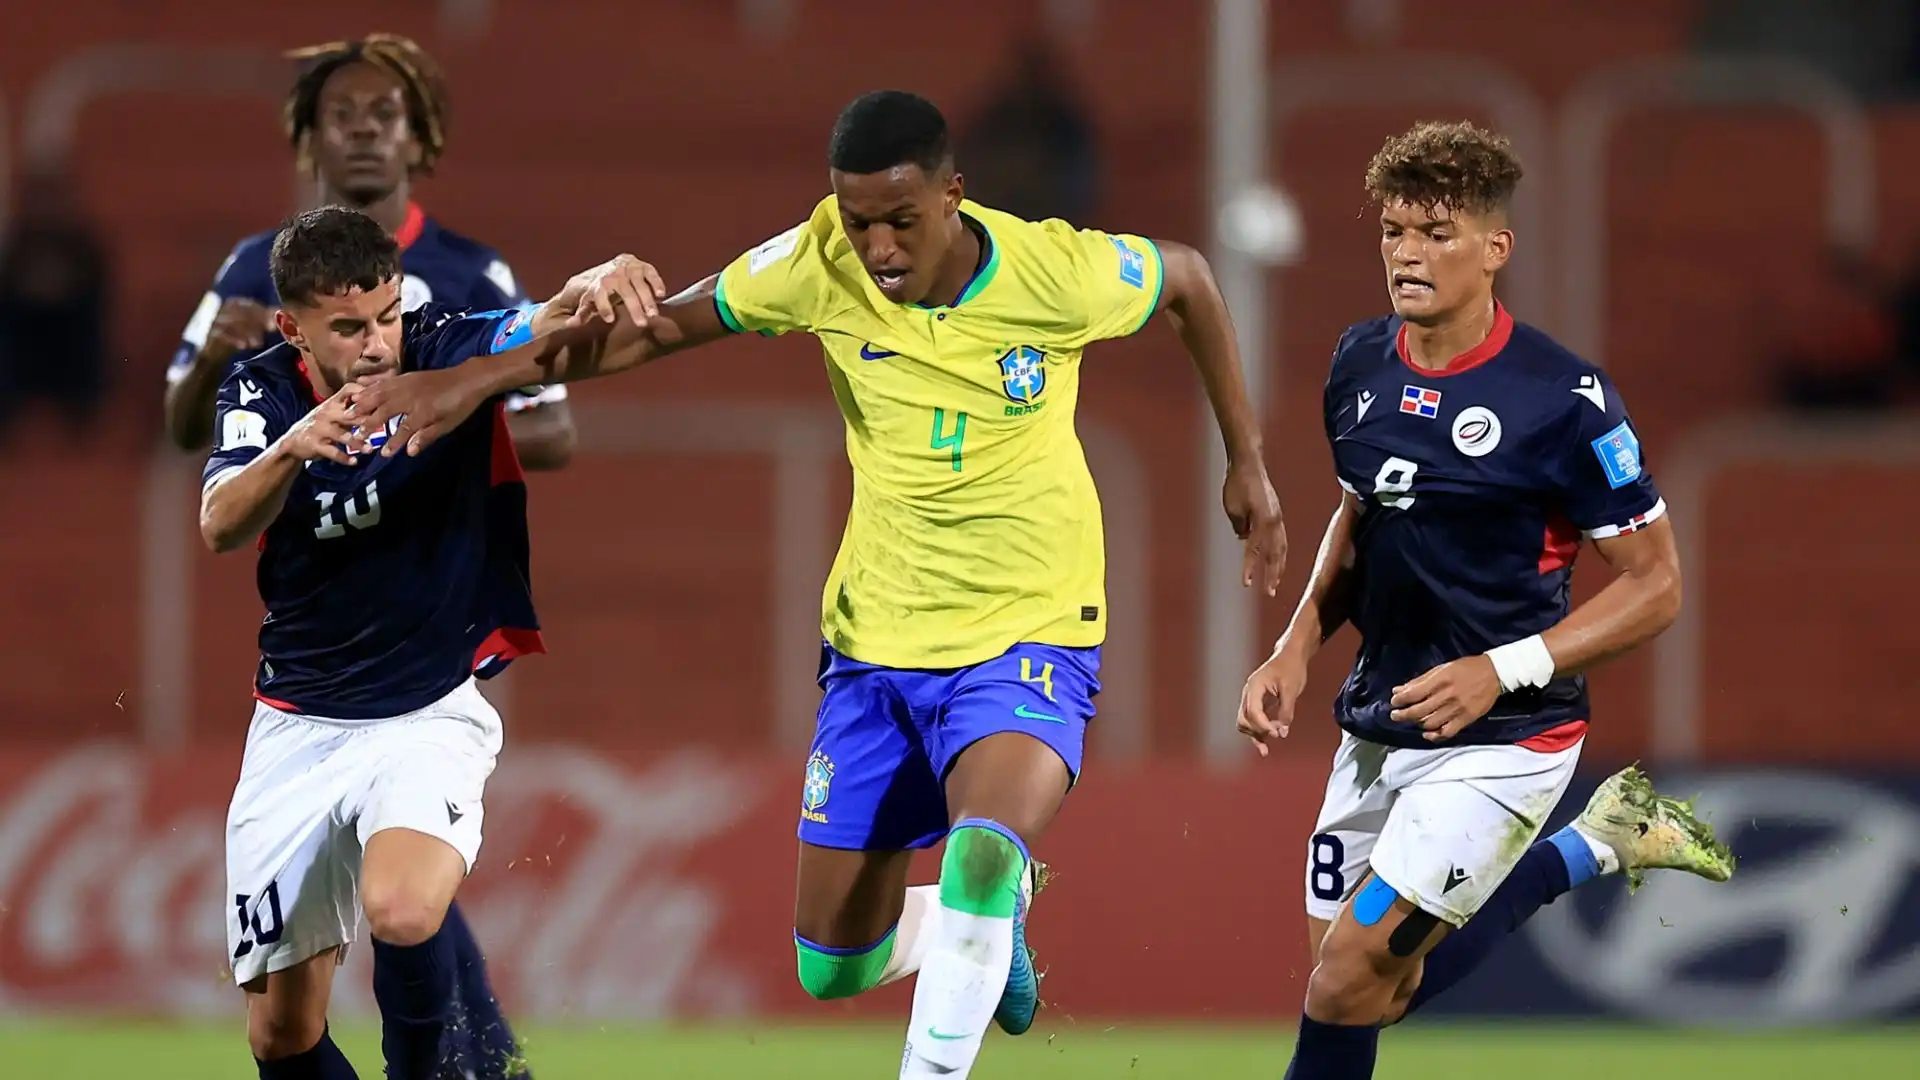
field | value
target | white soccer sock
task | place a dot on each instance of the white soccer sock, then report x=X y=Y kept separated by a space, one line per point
x=1603 y=852
x=919 y=925
x=961 y=980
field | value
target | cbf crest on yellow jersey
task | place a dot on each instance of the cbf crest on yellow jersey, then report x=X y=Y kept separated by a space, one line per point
x=974 y=524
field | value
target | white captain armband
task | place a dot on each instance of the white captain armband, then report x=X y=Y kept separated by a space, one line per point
x=1522 y=663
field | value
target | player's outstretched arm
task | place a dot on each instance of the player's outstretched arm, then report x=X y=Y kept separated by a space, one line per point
x=1266 y=702
x=578 y=335
x=239 y=503
x=1192 y=300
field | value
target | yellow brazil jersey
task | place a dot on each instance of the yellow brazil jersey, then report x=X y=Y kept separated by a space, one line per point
x=974 y=524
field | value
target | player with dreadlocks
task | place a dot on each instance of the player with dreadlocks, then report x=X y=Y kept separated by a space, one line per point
x=365 y=117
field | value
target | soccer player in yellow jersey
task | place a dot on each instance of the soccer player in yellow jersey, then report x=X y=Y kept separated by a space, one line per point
x=964 y=614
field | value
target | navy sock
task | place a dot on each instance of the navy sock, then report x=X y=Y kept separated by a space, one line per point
x=481 y=1040
x=1547 y=871
x=1333 y=1051
x=323 y=1062
x=414 y=985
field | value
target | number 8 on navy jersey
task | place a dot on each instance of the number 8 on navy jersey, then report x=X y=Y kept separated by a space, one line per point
x=1476 y=484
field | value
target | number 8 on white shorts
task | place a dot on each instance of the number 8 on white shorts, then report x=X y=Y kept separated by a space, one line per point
x=1442 y=827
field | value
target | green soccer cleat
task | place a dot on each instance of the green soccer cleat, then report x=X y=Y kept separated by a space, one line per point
x=1021 y=998
x=1650 y=831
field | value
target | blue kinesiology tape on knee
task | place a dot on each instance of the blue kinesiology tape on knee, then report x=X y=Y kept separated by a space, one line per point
x=1373 y=902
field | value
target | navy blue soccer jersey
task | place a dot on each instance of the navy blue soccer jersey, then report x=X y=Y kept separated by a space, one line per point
x=389 y=582
x=440 y=266
x=1476 y=484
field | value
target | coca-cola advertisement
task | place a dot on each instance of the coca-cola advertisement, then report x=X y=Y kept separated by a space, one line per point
x=621 y=889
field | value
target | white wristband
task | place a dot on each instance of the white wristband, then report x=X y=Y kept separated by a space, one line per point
x=1522 y=663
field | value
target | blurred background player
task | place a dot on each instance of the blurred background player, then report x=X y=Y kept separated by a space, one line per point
x=55 y=303
x=964 y=614
x=1475 y=454
x=365 y=117
x=371 y=744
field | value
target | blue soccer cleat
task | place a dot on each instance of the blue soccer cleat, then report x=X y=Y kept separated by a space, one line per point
x=1021 y=999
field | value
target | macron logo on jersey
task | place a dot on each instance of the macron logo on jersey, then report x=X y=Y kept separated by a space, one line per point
x=1421 y=402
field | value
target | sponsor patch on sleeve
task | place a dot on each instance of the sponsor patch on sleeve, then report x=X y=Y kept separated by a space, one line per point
x=1133 y=264
x=773 y=250
x=1619 y=454
x=517 y=330
x=242 y=428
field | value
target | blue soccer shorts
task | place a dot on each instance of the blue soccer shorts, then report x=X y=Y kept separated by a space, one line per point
x=886 y=737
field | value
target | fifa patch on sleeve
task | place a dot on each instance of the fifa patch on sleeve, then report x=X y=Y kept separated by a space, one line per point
x=517 y=330
x=1133 y=265
x=1619 y=454
x=773 y=250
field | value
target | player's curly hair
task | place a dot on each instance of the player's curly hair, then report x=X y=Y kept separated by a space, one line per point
x=1453 y=165
x=420 y=77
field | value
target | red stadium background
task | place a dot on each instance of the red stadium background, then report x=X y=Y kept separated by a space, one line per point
x=645 y=802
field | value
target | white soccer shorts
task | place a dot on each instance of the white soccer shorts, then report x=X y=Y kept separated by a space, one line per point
x=1443 y=827
x=312 y=791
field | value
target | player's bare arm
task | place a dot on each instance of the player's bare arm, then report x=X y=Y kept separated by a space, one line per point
x=240 y=325
x=236 y=508
x=1266 y=702
x=1638 y=605
x=578 y=334
x=1192 y=300
x=1640 y=602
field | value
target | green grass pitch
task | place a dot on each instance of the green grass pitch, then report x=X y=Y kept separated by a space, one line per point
x=116 y=1051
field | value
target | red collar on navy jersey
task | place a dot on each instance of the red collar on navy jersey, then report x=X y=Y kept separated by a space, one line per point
x=1488 y=348
x=307 y=377
x=412 y=227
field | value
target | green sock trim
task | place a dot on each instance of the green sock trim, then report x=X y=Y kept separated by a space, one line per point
x=842 y=974
x=980 y=873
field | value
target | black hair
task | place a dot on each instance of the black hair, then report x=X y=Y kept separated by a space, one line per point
x=331 y=250
x=419 y=76
x=889 y=128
